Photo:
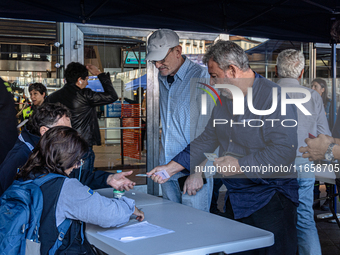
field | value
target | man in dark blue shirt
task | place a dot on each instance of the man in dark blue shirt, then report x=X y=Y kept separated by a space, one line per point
x=258 y=142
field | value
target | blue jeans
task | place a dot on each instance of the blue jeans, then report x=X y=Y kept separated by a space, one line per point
x=308 y=239
x=201 y=200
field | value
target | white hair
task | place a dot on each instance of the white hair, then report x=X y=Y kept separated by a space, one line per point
x=290 y=63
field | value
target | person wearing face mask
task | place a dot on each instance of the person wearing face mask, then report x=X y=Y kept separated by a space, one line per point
x=82 y=102
x=180 y=108
x=38 y=93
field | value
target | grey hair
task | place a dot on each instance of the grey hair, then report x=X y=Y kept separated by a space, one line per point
x=290 y=63
x=226 y=53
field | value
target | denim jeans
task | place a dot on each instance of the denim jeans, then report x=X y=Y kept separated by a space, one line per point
x=308 y=238
x=201 y=200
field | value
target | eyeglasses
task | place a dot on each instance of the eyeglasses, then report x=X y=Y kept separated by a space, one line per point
x=79 y=163
x=163 y=60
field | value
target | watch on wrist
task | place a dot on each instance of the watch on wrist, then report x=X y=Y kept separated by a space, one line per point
x=329 y=153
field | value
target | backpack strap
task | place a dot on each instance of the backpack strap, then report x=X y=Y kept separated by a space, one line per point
x=65 y=225
x=62 y=229
x=40 y=181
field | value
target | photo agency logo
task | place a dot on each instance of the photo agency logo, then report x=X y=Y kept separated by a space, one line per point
x=238 y=104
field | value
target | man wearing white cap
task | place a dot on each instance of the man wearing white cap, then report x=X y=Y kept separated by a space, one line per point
x=180 y=107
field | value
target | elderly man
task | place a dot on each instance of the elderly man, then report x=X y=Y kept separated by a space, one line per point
x=180 y=114
x=251 y=146
x=45 y=117
x=290 y=67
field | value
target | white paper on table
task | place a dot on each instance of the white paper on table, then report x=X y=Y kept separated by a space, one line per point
x=136 y=231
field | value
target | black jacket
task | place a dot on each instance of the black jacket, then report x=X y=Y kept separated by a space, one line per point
x=8 y=121
x=82 y=103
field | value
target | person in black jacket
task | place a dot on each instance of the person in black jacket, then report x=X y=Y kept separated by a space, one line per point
x=82 y=101
x=8 y=121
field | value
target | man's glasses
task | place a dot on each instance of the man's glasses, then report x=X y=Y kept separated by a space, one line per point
x=79 y=163
x=163 y=60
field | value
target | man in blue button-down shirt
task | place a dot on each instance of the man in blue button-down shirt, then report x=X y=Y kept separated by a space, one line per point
x=180 y=106
x=267 y=198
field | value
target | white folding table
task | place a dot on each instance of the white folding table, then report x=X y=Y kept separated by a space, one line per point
x=196 y=232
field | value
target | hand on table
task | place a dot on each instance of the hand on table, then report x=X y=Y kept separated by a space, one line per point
x=139 y=214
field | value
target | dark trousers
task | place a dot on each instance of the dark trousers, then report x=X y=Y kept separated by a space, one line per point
x=279 y=217
x=216 y=191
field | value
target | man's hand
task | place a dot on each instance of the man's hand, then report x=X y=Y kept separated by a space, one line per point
x=193 y=184
x=93 y=69
x=120 y=182
x=172 y=168
x=229 y=165
x=316 y=147
x=139 y=214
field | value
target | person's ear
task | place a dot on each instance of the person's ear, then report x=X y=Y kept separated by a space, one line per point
x=301 y=74
x=231 y=72
x=178 y=50
x=79 y=81
x=43 y=130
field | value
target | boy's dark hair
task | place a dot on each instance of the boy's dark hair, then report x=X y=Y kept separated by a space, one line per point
x=41 y=88
x=59 y=149
x=46 y=115
x=74 y=70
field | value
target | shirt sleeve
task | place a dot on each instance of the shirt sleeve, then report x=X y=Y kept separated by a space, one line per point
x=193 y=154
x=102 y=98
x=79 y=202
x=322 y=123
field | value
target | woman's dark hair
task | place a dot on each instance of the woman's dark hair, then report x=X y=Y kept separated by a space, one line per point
x=324 y=95
x=59 y=149
x=41 y=88
x=74 y=70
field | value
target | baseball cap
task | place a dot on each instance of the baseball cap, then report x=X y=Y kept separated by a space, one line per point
x=160 y=42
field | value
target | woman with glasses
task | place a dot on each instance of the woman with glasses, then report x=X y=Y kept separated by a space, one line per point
x=59 y=151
